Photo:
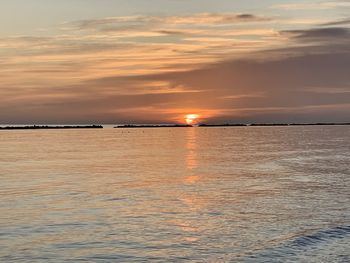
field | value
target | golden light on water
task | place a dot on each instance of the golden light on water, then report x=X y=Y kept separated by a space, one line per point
x=191 y=119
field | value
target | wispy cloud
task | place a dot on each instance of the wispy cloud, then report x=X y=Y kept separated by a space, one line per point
x=338 y=22
x=315 y=5
x=135 y=22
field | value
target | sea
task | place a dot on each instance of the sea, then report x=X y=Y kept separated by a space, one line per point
x=215 y=194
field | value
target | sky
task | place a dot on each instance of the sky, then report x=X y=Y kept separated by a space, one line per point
x=155 y=61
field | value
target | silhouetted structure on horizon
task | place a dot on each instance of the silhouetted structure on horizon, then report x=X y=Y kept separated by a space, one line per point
x=47 y=127
x=270 y=124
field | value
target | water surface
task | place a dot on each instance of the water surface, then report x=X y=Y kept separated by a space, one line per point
x=241 y=194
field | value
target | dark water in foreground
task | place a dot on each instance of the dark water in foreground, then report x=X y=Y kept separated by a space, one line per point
x=250 y=194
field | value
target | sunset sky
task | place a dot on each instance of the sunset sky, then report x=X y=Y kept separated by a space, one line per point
x=155 y=61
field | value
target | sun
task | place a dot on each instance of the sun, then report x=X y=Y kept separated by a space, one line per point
x=191 y=118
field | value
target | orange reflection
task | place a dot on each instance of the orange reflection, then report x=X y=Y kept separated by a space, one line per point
x=191 y=147
x=191 y=230
x=192 y=179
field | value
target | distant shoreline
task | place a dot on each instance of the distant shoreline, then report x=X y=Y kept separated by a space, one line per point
x=135 y=126
x=131 y=126
x=272 y=124
x=47 y=127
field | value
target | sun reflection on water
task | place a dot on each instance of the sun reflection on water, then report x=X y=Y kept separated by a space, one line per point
x=191 y=148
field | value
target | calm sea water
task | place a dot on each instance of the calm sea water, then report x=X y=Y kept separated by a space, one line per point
x=246 y=194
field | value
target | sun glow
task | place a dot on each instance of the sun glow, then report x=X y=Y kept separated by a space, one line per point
x=191 y=118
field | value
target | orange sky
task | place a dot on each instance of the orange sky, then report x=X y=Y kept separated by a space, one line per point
x=157 y=61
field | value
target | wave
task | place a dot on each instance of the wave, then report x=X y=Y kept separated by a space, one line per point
x=321 y=236
x=302 y=245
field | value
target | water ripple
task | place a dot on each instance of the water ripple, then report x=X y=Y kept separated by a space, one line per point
x=295 y=248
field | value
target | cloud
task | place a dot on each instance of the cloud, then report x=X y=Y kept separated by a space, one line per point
x=320 y=33
x=318 y=5
x=137 y=22
x=155 y=43
x=338 y=23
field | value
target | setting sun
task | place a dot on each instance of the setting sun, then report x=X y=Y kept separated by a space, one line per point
x=191 y=118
